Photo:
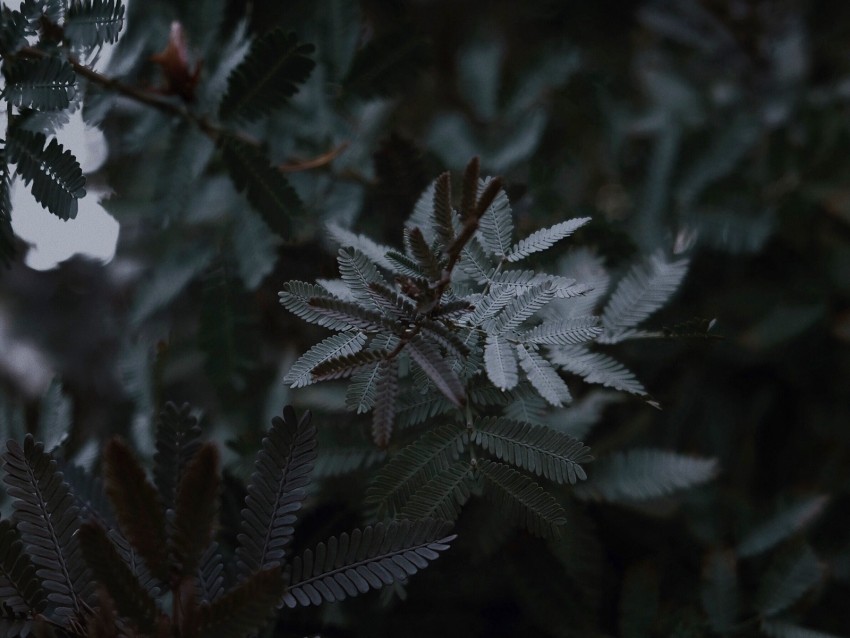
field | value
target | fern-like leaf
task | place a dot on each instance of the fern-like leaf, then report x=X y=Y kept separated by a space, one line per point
x=545 y=238
x=91 y=23
x=496 y=226
x=268 y=76
x=521 y=308
x=338 y=345
x=500 y=362
x=131 y=600
x=210 y=578
x=789 y=578
x=443 y=496
x=265 y=187
x=47 y=521
x=362 y=391
x=639 y=475
x=443 y=216
x=411 y=468
x=385 y=402
x=572 y=331
x=195 y=510
x=346 y=365
x=415 y=408
x=425 y=258
x=366 y=245
x=276 y=492
x=349 y=313
x=43 y=84
x=786 y=523
x=353 y=564
x=433 y=364
x=644 y=289
x=358 y=271
x=538 y=449
x=137 y=505
x=20 y=588
x=296 y=297
x=543 y=376
x=403 y=265
x=245 y=608
x=177 y=433
x=56 y=177
x=596 y=367
x=522 y=499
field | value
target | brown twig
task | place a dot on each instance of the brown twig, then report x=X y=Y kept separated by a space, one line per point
x=316 y=162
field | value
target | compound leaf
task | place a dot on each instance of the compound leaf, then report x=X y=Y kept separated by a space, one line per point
x=338 y=345
x=20 y=587
x=545 y=238
x=91 y=23
x=500 y=362
x=784 y=524
x=43 y=84
x=543 y=376
x=268 y=76
x=369 y=559
x=441 y=497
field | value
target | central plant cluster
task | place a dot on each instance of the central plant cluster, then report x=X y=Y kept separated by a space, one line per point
x=415 y=347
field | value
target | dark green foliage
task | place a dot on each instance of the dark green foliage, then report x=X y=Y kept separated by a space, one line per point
x=264 y=186
x=387 y=64
x=268 y=76
x=43 y=84
x=7 y=235
x=54 y=568
x=57 y=181
x=91 y=23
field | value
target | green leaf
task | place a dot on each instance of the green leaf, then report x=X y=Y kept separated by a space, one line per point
x=500 y=362
x=784 y=524
x=596 y=367
x=266 y=188
x=543 y=376
x=343 y=344
x=521 y=308
x=131 y=600
x=346 y=365
x=353 y=564
x=56 y=177
x=387 y=64
x=523 y=499
x=443 y=496
x=245 y=608
x=297 y=296
x=20 y=587
x=137 y=505
x=433 y=364
x=644 y=289
x=385 y=402
x=276 y=492
x=573 y=331
x=719 y=591
x=47 y=521
x=545 y=238
x=350 y=314
x=195 y=510
x=268 y=76
x=790 y=577
x=496 y=226
x=358 y=271
x=644 y=474
x=92 y=23
x=412 y=467
x=534 y=448
x=43 y=84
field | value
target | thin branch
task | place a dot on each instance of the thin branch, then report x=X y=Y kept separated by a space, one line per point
x=317 y=162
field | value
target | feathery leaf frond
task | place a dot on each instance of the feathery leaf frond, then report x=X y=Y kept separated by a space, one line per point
x=535 y=448
x=521 y=308
x=441 y=497
x=43 y=84
x=276 y=492
x=572 y=331
x=245 y=608
x=644 y=474
x=296 y=297
x=644 y=289
x=349 y=313
x=523 y=499
x=788 y=580
x=543 y=376
x=545 y=238
x=496 y=224
x=56 y=177
x=412 y=467
x=596 y=367
x=265 y=187
x=358 y=271
x=367 y=246
x=443 y=217
x=7 y=233
x=47 y=520
x=500 y=362
x=177 y=433
x=433 y=364
x=385 y=403
x=20 y=587
x=338 y=345
x=91 y=23
x=137 y=505
x=346 y=365
x=786 y=523
x=268 y=76
x=131 y=600
x=352 y=564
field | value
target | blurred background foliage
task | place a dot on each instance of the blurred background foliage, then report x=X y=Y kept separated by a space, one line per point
x=718 y=123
